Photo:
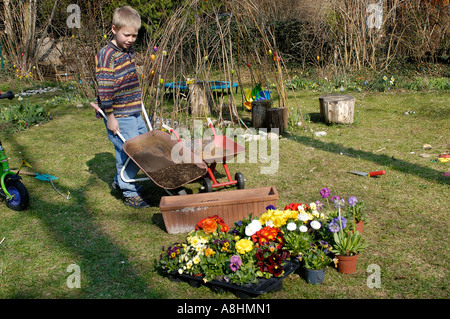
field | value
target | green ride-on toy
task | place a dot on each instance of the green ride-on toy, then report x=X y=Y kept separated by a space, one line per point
x=12 y=189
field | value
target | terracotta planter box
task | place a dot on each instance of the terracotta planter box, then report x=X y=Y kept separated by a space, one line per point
x=182 y=213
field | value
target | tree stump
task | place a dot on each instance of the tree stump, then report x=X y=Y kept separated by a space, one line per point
x=277 y=117
x=259 y=109
x=336 y=108
x=200 y=99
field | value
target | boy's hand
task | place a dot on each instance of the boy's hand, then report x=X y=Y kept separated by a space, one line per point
x=112 y=124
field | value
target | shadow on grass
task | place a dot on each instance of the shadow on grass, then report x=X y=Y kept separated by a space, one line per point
x=103 y=165
x=384 y=160
x=106 y=271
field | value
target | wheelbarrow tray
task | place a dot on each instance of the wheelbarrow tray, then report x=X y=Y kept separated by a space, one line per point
x=152 y=153
x=219 y=149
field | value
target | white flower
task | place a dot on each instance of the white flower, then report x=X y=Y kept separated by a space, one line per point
x=196 y=259
x=291 y=226
x=303 y=217
x=313 y=206
x=269 y=223
x=180 y=271
x=253 y=227
x=303 y=228
x=315 y=224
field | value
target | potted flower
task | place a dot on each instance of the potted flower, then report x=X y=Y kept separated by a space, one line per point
x=315 y=262
x=347 y=244
x=356 y=209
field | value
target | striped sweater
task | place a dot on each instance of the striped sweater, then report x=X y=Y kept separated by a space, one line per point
x=118 y=82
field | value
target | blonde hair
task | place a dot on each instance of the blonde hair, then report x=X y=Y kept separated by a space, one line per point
x=126 y=16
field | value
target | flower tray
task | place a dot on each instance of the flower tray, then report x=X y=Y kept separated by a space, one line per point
x=246 y=291
x=182 y=213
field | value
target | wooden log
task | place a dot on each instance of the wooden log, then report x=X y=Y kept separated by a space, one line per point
x=200 y=99
x=277 y=117
x=259 y=109
x=337 y=108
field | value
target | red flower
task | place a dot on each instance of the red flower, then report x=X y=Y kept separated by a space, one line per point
x=295 y=206
x=275 y=270
x=268 y=235
x=292 y=206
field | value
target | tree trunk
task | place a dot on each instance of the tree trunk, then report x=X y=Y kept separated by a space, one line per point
x=200 y=98
x=277 y=118
x=259 y=110
x=337 y=108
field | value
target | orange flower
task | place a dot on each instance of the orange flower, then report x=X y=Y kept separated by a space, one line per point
x=209 y=225
x=209 y=252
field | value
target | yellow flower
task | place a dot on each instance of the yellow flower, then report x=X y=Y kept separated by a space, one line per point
x=196 y=259
x=336 y=261
x=243 y=246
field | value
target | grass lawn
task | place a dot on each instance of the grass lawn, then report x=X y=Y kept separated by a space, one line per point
x=116 y=247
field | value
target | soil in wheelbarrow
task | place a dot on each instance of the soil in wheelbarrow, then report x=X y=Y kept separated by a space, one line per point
x=170 y=175
x=152 y=152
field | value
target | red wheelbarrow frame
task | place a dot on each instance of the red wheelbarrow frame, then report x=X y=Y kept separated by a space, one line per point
x=231 y=150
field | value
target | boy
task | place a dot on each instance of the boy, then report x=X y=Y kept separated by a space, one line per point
x=119 y=96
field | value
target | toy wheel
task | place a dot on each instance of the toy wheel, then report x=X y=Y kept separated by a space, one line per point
x=19 y=193
x=240 y=180
x=207 y=186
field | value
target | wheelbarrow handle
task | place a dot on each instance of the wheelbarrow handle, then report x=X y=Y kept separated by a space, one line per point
x=171 y=130
x=99 y=110
x=211 y=125
x=168 y=128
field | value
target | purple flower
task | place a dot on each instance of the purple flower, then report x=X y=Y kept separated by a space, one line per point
x=323 y=243
x=324 y=192
x=270 y=207
x=339 y=202
x=352 y=201
x=333 y=227
x=335 y=198
x=325 y=246
x=343 y=221
x=319 y=205
x=235 y=263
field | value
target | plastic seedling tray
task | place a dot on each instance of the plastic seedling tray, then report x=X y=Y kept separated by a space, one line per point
x=246 y=291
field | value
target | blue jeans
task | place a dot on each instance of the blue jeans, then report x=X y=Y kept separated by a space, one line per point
x=130 y=127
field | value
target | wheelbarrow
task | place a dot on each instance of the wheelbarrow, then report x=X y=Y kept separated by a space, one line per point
x=217 y=149
x=152 y=153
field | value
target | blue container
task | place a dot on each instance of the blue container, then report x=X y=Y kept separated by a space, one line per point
x=314 y=277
